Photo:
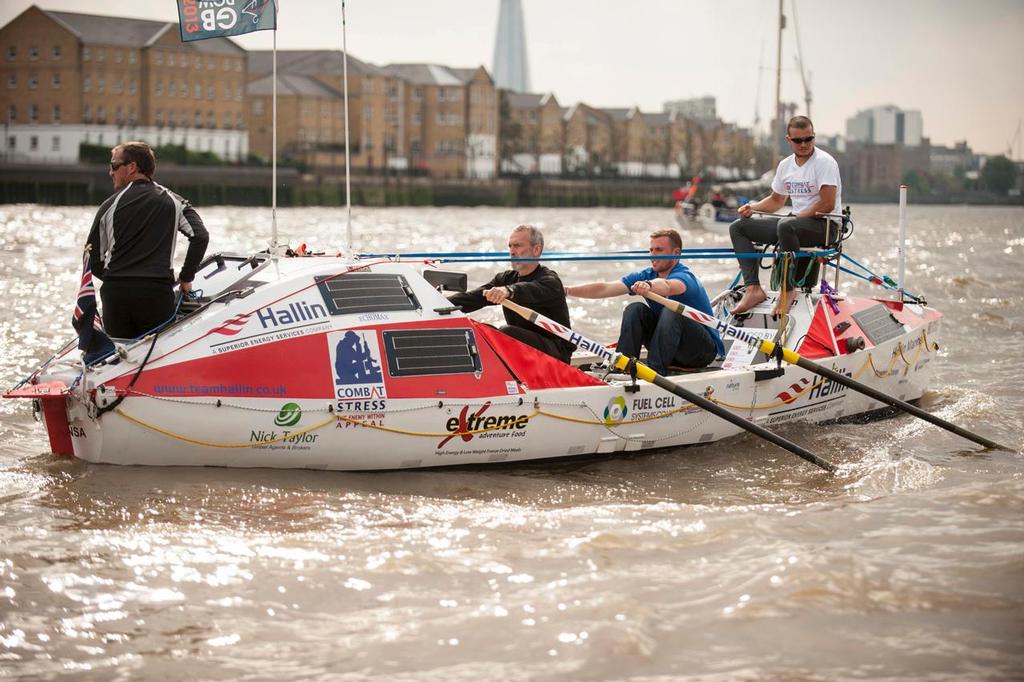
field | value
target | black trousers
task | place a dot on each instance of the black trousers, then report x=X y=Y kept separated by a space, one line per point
x=790 y=233
x=130 y=309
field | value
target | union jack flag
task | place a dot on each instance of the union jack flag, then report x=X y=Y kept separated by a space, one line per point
x=86 y=319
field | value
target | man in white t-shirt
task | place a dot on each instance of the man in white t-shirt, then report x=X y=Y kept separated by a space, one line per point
x=810 y=178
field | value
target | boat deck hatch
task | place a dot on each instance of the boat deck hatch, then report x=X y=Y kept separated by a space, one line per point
x=419 y=352
x=366 y=292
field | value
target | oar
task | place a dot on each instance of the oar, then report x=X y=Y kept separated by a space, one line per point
x=647 y=374
x=767 y=347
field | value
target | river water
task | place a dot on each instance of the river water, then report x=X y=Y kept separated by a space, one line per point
x=730 y=561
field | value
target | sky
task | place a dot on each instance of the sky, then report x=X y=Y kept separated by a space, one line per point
x=960 y=63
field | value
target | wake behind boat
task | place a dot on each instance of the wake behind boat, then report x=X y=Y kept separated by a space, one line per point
x=329 y=363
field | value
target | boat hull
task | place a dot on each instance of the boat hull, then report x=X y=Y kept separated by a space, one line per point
x=411 y=433
x=705 y=217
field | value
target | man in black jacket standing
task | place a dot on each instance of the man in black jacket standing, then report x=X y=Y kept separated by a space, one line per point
x=131 y=244
x=530 y=284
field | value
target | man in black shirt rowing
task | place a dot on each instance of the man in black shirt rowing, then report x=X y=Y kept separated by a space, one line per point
x=132 y=244
x=530 y=284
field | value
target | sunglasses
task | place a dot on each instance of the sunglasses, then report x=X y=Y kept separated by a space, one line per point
x=801 y=140
x=114 y=165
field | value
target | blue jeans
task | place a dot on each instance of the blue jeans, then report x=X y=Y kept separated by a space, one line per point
x=670 y=338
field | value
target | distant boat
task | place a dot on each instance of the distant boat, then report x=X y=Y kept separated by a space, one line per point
x=707 y=216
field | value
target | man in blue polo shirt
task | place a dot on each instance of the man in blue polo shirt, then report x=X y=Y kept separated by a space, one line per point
x=671 y=340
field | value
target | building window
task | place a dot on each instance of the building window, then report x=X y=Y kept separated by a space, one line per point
x=12 y=114
x=118 y=56
x=159 y=118
x=132 y=118
x=210 y=65
x=119 y=86
x=184 y=89
x=417 y=94
x=101 y=55
x=55 y=81
x=257 y=107
x=199 y=91
x=12 y=142
x=198 y=118
x=158 y=88
x=55 y=144
x=33 y=53
x=101 y=84
x=170 y=59
x=87 y=84
x=239 y=123
x=196 y=64
x=172 y=89
x=211 y=92
x=441 y=94
x=131 y=56
x=417 y=118
x=238 y=93
x=55 y=114
x=227 y=120
x=158 y=58
x=211 y=119
x=33 y=81
x=119 y=116
x=33 y=143
x=132 y=88
x=238 y=65
x=87 y=114
x=12 y=81
x=86 y=54
x=12 y=52
x=101 y=115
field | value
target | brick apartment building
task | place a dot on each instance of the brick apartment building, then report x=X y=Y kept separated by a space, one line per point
x=70 y=78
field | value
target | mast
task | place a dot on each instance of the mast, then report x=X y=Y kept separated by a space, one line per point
x=800 y=64
x=778 y=92
x=348 y=169
x=273 y=151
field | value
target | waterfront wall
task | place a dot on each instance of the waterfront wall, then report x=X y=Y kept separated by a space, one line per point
x=251 y=186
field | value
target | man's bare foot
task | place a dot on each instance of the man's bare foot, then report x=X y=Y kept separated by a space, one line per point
x=752 y=295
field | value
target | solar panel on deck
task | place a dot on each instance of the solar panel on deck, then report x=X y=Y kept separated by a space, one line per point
x=419 y=352
x=365 y=292
x=878 y=324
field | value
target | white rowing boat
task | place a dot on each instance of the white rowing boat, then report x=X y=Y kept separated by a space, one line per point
x=327 y=363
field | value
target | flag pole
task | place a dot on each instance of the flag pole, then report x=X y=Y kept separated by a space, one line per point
x=273 y=151
x=348 y=171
